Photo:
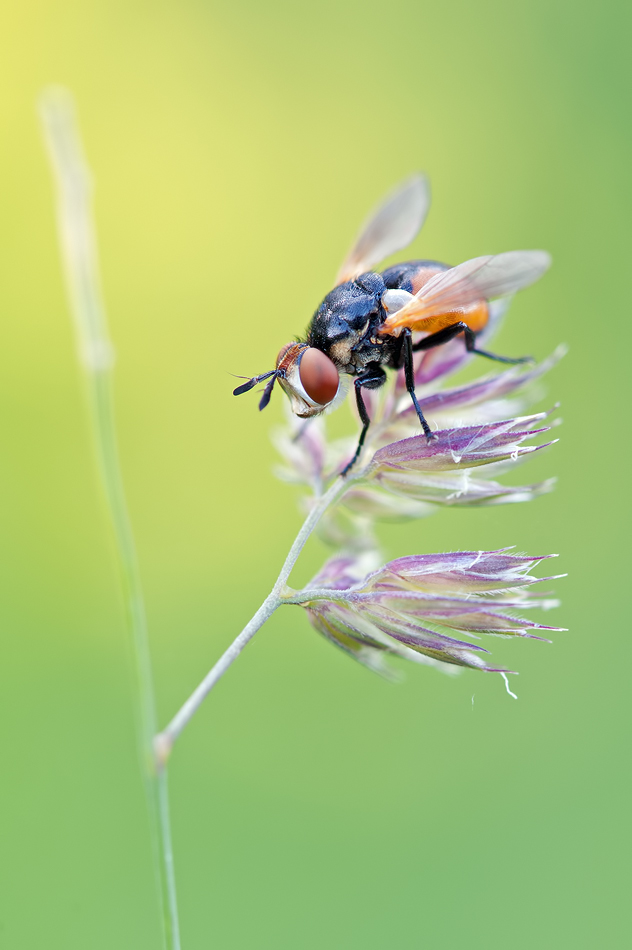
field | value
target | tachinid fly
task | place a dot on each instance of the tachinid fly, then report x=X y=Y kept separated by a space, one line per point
x=365 y=325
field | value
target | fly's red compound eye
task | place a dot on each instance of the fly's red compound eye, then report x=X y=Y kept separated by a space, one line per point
x=319 y=376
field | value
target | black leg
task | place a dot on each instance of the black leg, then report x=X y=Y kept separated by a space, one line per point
x=301 y=429
x=371 y=380
x=409 y=372
x=448 y=333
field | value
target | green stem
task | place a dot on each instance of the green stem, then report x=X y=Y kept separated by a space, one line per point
x=165 y=740
x=96 y=357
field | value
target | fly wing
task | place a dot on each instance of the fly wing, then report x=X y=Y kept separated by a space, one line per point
x=391 y=227
x=482 y=278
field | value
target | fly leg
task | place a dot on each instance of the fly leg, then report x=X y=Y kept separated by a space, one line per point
x=409 y=372
x=371 y=379
x=298 y=435
x=448 y=333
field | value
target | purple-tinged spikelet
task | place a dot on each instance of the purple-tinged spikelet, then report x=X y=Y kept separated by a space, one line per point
x=414 y=606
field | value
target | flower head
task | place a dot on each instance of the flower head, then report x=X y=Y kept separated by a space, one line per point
x=419 y=607
x=401 y=475
x=422 y=607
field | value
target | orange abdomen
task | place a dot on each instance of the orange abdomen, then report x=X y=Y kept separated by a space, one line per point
x=417 y=274
x=476 y=317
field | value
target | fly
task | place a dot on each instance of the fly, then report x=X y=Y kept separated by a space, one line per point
x=365 y=325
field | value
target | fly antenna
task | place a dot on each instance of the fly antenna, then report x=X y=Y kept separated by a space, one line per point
x=267 y=392
x=246 y=387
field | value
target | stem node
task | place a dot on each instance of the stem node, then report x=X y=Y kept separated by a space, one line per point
x=162 y=751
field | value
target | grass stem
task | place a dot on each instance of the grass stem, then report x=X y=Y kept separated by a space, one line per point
x=96 y=356
x=165 y=740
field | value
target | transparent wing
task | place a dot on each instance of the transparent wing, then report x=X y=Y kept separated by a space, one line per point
x=391 y=227
x=482 y=278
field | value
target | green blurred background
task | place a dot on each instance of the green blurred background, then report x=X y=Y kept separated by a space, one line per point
x=236 y=148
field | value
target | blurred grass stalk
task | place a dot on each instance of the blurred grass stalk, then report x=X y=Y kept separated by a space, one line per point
x=96 y=357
